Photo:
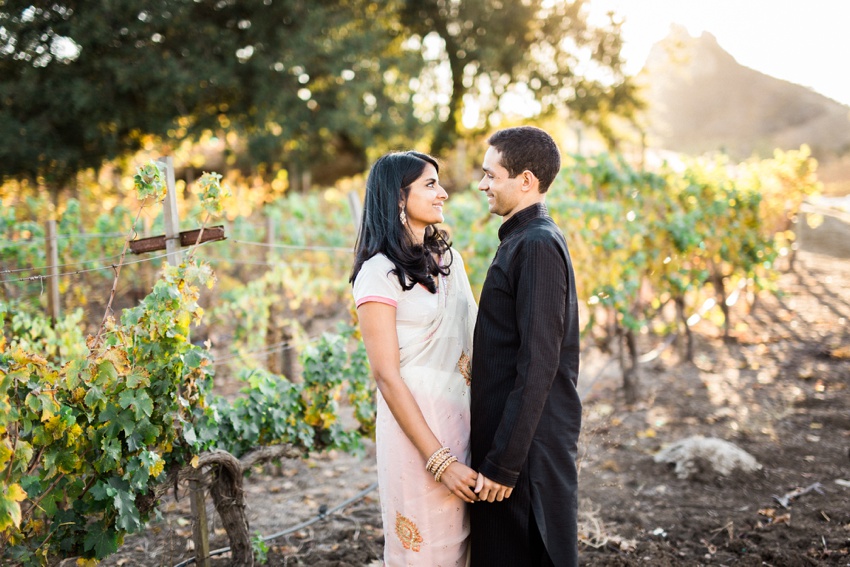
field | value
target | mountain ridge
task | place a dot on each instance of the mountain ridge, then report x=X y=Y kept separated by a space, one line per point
x=701 y=100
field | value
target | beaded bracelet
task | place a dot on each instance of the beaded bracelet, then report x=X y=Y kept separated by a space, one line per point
x=438 y=475
x=431 y=465
x=438 y=463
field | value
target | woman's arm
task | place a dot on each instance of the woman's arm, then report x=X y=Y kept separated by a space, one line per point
x=378 y=327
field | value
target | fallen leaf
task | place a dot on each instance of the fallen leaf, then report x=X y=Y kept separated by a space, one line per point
x=841 y=352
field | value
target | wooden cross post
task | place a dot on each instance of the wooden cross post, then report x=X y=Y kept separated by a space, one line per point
x=173 y=239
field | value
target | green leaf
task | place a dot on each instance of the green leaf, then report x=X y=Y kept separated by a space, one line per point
x=144 y=405
x=99 y=491
x=117 y=421
x=128 y=515
x=95 y=398
x=189 y=433
x=139 y=400
x=102 y=540
x=137 y=378
x=193 y=358
x=106 y=369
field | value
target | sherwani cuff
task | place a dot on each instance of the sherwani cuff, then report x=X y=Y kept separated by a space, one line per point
x=496 y=473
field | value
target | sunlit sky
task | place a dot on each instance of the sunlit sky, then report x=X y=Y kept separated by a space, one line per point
x=804 y=42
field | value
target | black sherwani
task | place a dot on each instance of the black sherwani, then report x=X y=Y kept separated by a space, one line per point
x=526 y=412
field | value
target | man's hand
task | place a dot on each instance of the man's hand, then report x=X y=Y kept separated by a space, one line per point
x=490 y=490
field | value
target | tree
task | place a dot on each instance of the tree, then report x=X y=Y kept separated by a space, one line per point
x=84 y=82
x=546 y=50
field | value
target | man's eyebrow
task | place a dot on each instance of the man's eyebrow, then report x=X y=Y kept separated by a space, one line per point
x=485 y=168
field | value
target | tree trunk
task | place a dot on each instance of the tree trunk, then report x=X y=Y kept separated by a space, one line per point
x=720 y=290
x=629 y=367
x=225 y=486
x=686 y=340
x=229 y=499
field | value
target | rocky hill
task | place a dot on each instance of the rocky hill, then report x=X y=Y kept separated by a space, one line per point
x=700 y=99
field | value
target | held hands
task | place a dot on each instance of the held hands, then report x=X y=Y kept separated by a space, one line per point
x=456 y=476
x=490 y=490
x=460 y=479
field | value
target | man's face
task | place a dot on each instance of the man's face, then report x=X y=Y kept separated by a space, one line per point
x=502 y=190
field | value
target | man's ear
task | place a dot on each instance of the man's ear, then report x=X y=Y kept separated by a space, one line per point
x=529 y=180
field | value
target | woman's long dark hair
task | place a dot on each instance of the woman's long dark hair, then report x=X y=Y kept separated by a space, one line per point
x=381 y=231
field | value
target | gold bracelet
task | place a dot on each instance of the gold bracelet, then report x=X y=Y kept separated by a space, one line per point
x=443 y=467
x=436 y=459
x=430 y=465
x=435 y=466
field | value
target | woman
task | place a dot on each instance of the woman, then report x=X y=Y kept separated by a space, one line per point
x=417 y=315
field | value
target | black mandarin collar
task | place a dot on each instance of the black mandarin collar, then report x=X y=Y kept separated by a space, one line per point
x=517 y=222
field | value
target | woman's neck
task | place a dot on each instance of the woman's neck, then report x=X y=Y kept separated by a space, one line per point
x=418 y=235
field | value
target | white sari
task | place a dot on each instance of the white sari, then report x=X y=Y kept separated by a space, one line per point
x=424 y=523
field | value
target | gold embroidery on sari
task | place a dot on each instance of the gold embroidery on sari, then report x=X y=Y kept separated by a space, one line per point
x=465 y=367
x=407 y=532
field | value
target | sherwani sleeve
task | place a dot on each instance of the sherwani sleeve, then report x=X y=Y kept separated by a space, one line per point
x=541 y=293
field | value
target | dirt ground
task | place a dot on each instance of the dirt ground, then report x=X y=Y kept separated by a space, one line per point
x=778 y=390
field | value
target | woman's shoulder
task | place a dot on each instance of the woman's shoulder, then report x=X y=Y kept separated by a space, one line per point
x=452 y=254
x=378 y=266
x=378 y=262
x=376 y=280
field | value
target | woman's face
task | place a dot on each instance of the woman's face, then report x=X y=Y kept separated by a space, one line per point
x=424 y=204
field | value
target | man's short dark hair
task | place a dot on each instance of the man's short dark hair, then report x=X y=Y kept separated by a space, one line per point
x=528 y=148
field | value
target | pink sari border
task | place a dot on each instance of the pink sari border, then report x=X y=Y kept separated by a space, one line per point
x=376 y=299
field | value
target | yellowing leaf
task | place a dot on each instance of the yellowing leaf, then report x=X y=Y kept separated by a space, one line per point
x=841 y=352
x=194 y=462
x=10 y=509
x=118 y=358
x=23 y=358
x=649 y=433
x=5 y=454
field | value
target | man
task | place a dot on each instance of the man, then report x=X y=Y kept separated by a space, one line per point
x=526 y=413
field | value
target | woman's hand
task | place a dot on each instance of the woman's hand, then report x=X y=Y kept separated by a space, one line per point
x=460 y=480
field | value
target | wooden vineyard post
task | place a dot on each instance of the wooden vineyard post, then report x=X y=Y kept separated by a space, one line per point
x=273 y=331
x=278 y=334
x=200 y=525
x=52 y=272
x=170 y=216
x=356 y=208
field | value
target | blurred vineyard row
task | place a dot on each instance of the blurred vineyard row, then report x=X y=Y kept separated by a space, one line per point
x=640 y=240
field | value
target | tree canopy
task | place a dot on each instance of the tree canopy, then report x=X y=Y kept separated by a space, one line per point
x=540 y=52
x=86 y=81
x=301 y=83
